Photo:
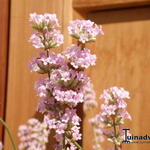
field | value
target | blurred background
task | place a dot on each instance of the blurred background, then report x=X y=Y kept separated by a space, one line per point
x=123 y=58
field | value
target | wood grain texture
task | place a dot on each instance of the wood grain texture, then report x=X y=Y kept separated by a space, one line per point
x=4 y=30
x=89 y=5
x=123 y=59
x=21 y=99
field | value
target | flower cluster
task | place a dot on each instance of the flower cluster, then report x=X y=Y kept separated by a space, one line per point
x=114 y=105
x=80 y=58
x=66 y=83
x=67 y=127
x=89 y=97
x=46 y=36
x=33 y=136
x=70 y=79
x=113 y=115
x=90 y=103
x=97 y=126
x=44 y=21
x=65 y=86
x=45 y=63
x=1 y=145
x=84 y=30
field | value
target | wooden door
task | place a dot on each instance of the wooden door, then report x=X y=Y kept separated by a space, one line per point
x=123 y=59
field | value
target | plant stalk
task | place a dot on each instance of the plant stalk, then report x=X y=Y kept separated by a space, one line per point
x=9 y=134
x=115 y=132
x=74 y=142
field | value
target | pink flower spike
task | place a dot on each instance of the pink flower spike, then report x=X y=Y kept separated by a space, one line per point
x=34 y=135
x=47 y=20
x=79 y=58
x=84 y=30
x=1 y=145
x=36 y=41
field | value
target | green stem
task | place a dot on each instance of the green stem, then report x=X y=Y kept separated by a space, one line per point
x=9 y=133
x=47 y=53
x=74 y=142
x=115 y=132
x=63 y=142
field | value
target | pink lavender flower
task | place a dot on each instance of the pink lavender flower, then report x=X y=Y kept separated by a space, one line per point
x=45 y=63
x=68 y=78
x=64 y=87
x=68 y=125
x=53 y=39
x=114 y=114
x=46 y=36
x=41 y=87
x=108 y=110
x=67 y=116
x=60 y=127
x=80 y=58
x=1 y=145
x=47 y=40
x=76 y=133
x=46 y=88
x=68 y=96
x=33 y=65
x=125 y=115
x=51 y=19
x=44 y=21
x=72 y=147
x=114 y=93
x=33 y=136
x=37 y=19
x=89 y=97
x=114 y=104
x=46 y=104
x=36 y=41
x=97 y=126
x=84 y=30
x=62 y=74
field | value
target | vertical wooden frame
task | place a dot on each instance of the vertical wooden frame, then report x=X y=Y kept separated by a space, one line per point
x=4 y=46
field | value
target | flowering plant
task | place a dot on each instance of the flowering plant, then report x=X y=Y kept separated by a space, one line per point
x=64 y=85
x=1 y=146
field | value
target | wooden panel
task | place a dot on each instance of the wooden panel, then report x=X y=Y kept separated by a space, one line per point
x=4 y=25
x=107 y=4
x=21 y=99
x=123 y=59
